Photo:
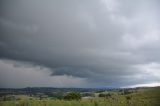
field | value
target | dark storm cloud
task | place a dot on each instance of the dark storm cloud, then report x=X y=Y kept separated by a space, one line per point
x=103 y=41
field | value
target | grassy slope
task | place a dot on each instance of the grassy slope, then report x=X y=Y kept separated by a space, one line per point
x=144 y=97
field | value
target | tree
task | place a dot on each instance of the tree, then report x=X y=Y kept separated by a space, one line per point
x=72 y=96
x=105 y=95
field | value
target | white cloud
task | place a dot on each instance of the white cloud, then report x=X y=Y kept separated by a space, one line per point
x=143 y=85
x=111 y=5
x=138 y=41
x=152 y=70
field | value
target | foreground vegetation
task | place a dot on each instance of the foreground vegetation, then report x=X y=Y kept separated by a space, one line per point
x=122 y=97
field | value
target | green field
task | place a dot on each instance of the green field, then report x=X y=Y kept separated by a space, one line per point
x=138 y=97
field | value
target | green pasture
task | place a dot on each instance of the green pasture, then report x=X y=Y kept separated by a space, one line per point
x=142 y=97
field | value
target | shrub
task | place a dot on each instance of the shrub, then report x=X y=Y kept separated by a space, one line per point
x=72 y=96
x=128 y=97
x=105 y=95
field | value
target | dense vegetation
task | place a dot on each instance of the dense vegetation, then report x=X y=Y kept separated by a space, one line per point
x=72 y=96
x=115 y=97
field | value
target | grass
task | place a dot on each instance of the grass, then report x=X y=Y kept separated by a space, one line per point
x=143 y=97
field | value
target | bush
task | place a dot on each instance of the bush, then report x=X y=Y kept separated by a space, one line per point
x=128 y=97
x=72 y=96
x=105 y=95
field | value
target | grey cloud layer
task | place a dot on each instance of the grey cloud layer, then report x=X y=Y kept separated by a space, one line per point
x=102 y=41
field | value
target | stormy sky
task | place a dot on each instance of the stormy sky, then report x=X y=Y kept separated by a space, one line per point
x=79 y=43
